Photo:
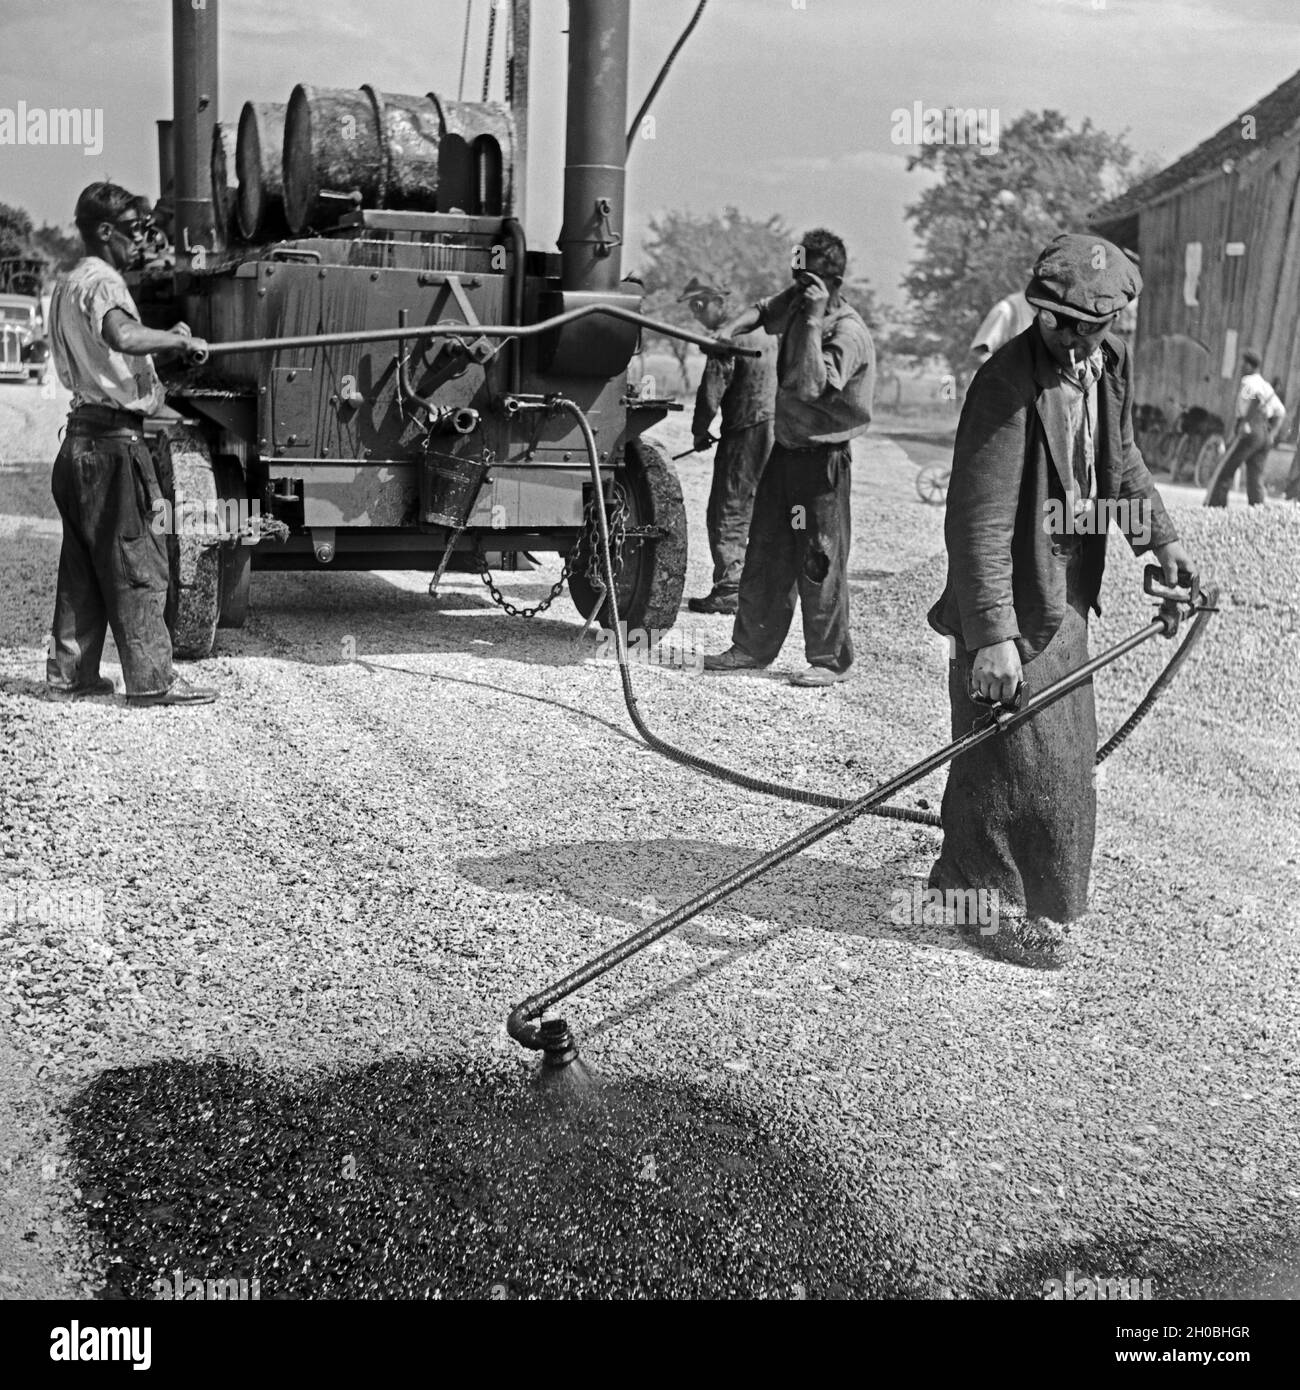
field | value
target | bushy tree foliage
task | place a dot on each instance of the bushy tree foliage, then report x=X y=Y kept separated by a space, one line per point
x=982 y=225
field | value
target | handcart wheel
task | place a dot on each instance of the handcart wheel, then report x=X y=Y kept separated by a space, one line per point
x=932 y=484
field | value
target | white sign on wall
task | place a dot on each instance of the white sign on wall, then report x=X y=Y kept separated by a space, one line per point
x=1191 y=272
x=1229 y=367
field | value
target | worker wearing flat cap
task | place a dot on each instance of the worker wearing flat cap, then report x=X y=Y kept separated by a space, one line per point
x=744 y=390
x=1045 y=437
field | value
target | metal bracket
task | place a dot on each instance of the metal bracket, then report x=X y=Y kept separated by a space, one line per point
x=606 y=237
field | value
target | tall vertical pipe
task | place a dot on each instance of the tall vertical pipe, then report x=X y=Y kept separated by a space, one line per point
x=517 y=71
x=595 y=146
x=194 y=113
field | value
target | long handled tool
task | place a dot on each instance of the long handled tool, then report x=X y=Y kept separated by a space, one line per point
x=553 y=1036
x=686 y=453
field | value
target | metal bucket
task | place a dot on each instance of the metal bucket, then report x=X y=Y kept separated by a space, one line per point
x=453 y=487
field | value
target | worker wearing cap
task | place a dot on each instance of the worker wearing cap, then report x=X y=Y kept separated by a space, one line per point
x=744 y=389
x=113 y=568
x=1046 y=434
x=801 y=530
x=1260 y=414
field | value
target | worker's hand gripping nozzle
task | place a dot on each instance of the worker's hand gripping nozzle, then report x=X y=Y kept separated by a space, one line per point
x=1177 y=601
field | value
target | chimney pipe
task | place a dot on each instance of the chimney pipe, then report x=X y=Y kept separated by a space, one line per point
x=194 y=113
x=596 y=145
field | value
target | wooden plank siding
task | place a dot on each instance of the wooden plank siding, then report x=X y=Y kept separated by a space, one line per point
x=1180 y=348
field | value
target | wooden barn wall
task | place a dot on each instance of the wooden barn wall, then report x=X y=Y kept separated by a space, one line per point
x=1180 y=348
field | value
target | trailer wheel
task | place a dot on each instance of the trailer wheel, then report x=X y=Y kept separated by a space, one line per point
x=194 y=594
x=653 y=573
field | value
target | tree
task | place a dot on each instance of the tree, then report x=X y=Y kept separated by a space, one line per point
x=60 y=246
x=982 y=225
x=15 y=232
x=746 y=255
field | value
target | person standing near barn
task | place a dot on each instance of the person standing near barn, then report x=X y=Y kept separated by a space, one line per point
x=1260 y=414
x=1007 y=319
x=113 y=569
x=744 y=389
x=801 y=530
x=1046 y=434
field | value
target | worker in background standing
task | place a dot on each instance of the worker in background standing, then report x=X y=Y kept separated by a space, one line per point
x=1260 y=414
x=801 y=531
x=113 y=568
x=1007 y=319
x=744 y=389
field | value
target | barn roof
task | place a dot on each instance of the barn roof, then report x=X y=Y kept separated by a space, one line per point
x=1274 y=116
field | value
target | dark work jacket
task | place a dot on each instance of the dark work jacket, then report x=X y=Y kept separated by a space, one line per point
x=1006 y=572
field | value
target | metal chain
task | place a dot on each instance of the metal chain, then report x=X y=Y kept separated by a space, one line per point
x=618 y=532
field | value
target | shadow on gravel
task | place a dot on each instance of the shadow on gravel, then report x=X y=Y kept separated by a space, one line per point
x=1107 y=1270
x=639 y=880
x=405 y=1180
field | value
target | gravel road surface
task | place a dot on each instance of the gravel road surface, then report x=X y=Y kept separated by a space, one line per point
x=257 y=956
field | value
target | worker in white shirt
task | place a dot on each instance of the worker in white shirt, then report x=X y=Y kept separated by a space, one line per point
x=1007 y=319
x=1260 y=414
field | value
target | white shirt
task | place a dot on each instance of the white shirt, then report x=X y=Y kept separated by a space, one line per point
x=1007 y=319
x=1256 y=391
x=86 y=365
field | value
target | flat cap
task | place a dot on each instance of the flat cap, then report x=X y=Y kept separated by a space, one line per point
x=1252 y=359
x=700 y=289
x=1087 y=277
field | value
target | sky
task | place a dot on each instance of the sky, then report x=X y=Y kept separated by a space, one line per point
x=774 y=106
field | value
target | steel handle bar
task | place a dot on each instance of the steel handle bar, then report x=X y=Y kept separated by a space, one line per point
x=519 y=1024
x=711 y=346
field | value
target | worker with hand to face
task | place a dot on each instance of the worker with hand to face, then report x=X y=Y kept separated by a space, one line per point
x=744 y=389
x=801 y=531
x=1045 y=437
x=113 y=566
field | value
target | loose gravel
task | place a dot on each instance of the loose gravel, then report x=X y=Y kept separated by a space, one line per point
x=253 y=941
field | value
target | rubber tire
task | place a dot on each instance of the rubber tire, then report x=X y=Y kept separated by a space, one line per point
x=236 y=560
x=1208 y=458
x=650 y=584
x=194 y=603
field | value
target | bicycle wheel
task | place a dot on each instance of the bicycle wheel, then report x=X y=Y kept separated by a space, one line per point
x=1208 y=457
x=1182 y=457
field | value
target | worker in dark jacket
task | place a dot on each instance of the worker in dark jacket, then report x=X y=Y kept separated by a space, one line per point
x=801 y=530
x=113 y=568
x=744 y=389
x=1044 y=450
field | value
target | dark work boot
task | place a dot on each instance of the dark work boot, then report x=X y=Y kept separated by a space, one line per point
x=180 y=692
